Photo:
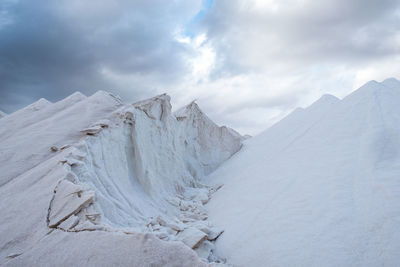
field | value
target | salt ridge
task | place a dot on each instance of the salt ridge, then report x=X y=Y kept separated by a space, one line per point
x=94 y=164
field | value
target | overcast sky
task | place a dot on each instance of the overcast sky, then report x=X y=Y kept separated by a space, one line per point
x=248 y=63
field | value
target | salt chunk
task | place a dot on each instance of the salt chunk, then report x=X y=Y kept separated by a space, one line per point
x=192 y=237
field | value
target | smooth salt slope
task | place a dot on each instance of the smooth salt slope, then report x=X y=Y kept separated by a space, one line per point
x=319 y=188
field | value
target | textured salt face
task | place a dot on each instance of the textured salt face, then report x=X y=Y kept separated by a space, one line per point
x=319 y=188
x=203 y=137
x=146 y=169
x=94 y=164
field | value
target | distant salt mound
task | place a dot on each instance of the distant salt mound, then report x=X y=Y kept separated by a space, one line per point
x=319 y=188
x=391 y=83
x=96 y=182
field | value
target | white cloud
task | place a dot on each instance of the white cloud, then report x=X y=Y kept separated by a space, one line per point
x=271 y=56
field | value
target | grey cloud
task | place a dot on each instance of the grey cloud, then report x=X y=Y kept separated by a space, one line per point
x=53 y=48
x=283 y=102
x=315 y=32
x=266 y=61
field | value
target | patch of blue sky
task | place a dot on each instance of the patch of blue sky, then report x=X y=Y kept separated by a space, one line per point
x=206 y=6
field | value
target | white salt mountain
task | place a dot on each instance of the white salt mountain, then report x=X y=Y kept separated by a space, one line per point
x=90 y=181
x=2 y=114
x=319 y=188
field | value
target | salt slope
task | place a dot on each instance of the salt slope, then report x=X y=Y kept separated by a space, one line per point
x=319 y=188
x=81 y=176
